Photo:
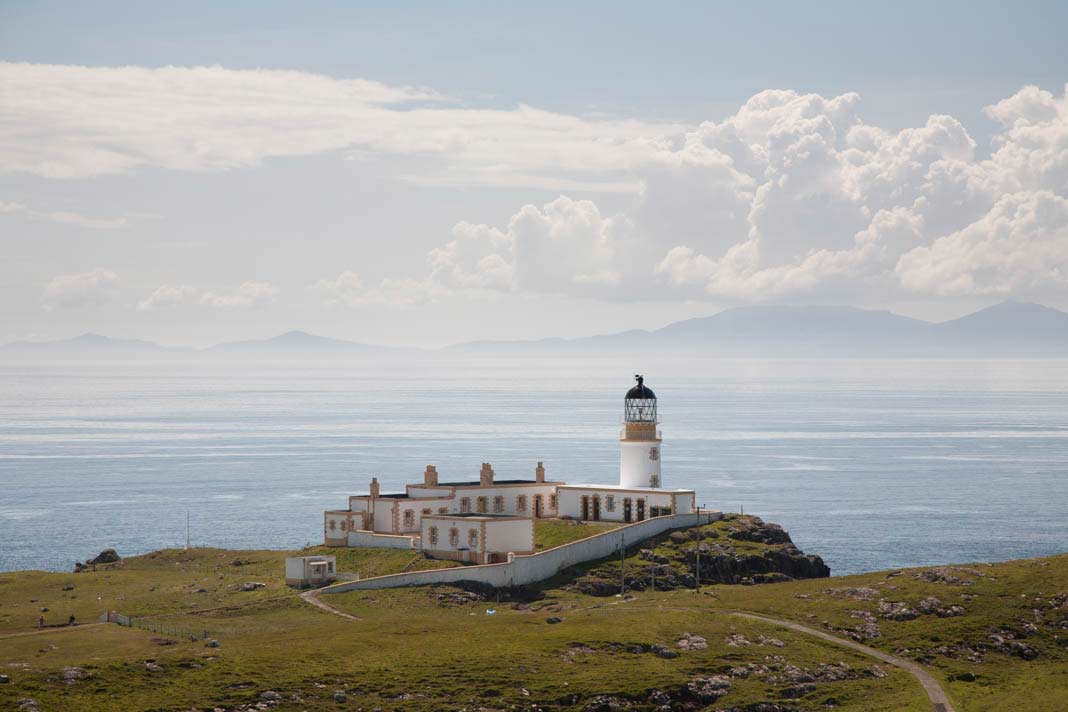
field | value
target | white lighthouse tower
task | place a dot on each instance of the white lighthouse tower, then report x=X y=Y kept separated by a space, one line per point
x=639 y=456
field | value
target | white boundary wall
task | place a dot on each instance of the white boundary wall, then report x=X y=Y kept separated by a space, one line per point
x=362 y=537
x=531 y=568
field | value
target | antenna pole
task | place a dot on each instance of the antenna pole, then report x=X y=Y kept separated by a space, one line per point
x=187 y=530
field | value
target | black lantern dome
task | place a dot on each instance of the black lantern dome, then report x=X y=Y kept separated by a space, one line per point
x=639 y=406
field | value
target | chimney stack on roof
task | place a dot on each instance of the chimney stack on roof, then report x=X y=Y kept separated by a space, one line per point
x=430 y=477
x=374 y=487
x=539 y=473
x=485 y=477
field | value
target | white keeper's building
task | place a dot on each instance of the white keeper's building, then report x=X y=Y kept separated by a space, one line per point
x=484 y=520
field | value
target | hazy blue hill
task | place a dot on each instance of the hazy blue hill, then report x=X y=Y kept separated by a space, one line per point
x=91 y=344
x=1010 y=329
x=295 y=342
x=800 y=331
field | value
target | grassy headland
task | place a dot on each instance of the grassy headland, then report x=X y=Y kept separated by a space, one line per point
x=437 y=648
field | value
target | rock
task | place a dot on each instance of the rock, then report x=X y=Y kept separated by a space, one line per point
x=929 y=606
x=107 y=556
x=692 y=642
x=213 y=643
x=1022 y=650
x=44 y=609
x=709 y=689
x=153 y=666
x=552 y=620
x=877 y=671
x=945 y=575
x=252 y=586
x=69 y=587
x=4 y=679
x=663 y=651
x=796 y=691
x=762 y=640
x=270 y=696
x=339 y=696
x=754 y=529
x=606 y=703
x=897 y=610
x=964 y=677
x=73 y=674
x=857 y=594
x=27 y=704
x=736 y=640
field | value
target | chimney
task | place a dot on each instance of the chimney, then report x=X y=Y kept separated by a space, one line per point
x=374 y=487
x=485 y=477
x=539 y=473
x=430 y=477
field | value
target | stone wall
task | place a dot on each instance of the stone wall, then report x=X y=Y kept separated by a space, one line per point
x=531 y=568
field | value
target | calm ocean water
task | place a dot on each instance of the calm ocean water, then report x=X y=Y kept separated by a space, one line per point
x=872 y=464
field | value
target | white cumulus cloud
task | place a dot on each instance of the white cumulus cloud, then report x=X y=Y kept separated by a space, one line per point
x=247 y=295
x=83 y=289
x=795 y=195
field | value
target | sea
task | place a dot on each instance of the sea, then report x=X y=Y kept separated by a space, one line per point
x=872 y=464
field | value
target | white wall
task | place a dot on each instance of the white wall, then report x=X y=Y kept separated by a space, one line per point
x=571 y=502
x=637 y=466
x=510 y=535
x=383 y=541
x=383 y=514
x=536 y=567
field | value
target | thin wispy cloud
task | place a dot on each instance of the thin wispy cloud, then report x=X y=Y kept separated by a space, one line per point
x=71 y=122
x=66 y=217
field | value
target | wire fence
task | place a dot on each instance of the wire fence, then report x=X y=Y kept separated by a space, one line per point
x=164 y=628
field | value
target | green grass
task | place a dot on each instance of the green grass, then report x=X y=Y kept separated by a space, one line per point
x=550 y=533
x=447 y=656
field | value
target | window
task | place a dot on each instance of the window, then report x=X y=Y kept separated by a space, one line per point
x=454 y=537
x=342 y=525
x=521 y=503
x=444 y=510
x=654 y=481
x=472 y=538
x=552 y=501
x=465 y=504
x=498 y=504
x=333 y=525
x=433 y=536
x=609 y=503
x=428 y=510
x=483 y=504
x=409 y=518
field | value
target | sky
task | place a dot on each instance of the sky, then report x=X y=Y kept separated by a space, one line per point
x=427 y=173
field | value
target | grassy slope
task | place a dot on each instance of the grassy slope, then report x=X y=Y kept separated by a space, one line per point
x=452 y=656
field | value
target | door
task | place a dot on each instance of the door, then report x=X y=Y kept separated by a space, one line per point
x=585 y=507
x=537 y=506
x=596 y=508
x=626 y=510
x=641 y=509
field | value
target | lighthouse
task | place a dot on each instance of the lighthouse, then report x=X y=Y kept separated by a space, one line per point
x=639 y=444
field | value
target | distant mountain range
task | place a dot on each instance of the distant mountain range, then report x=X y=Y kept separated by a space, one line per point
x=1007 y=329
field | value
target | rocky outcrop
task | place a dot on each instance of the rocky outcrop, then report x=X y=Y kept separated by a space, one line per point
x=715 y=565
x=720 y=553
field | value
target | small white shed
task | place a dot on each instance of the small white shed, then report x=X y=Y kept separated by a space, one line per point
x=304 y=571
